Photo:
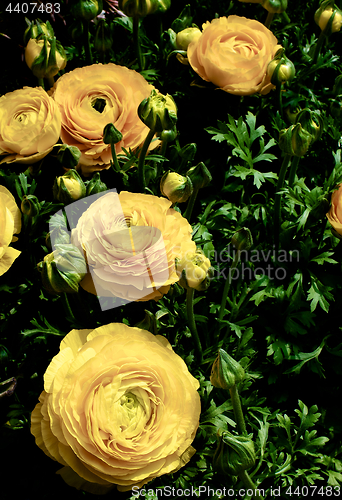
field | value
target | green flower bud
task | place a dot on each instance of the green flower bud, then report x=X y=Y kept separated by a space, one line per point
x=45 y=58
x=111 y=135
x=75 y=29
x=142 y=8
x=69 y=187
x=280 y=69
x=175 y=187
x=188 y=152
x=36 y=29
x=103 y=37
x=199 y=175
x=337 y=89
x=58 y=236
x=273 y=6
x=149 y=323
x=291 y=112
x=194 y=270
x=95 y=185
x=328 y=17
x=159 y=113
x=312 y=122
x=234 y=454
x=63 y=269
x=295 y=140
x=336 y=108
x=242 y=239
x=68 y=156
x=183 y=21
x=226 y=372
x=186 y=36
x=86 y=9
x=320 y=208
x=30 y=205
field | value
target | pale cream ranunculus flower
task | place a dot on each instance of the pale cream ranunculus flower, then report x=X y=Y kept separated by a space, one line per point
x=233 y=53
x=119 y=407
x=10 y=224
x=130 y=242
x=30 y=125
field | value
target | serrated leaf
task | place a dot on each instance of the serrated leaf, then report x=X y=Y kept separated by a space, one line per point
x=324 y=257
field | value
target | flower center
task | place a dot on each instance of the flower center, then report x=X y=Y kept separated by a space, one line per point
x=99 y=104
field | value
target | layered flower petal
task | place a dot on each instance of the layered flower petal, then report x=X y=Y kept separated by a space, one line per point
x=30 y=125
x=10 y=224
x=119 y=408
x=233 y=53
x=91 y=97
x=130 y=242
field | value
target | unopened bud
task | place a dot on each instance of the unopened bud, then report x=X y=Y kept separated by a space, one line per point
x=234 y=454
x=69 y=187
x=194 y=270
x=86 y=9
x=30 y=205
x=280 y=69
x=199 y=175
x=103 y=37
x=95 y=185
x=328 y=17
x=242 y=239
x=186 y=36
x=226 y=372
x=159 y=113
x=175 y=187
x=68 y=156
x=111 y=135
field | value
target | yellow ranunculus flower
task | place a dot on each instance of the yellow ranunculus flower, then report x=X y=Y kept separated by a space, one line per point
x=119 y=407
x=30 y=124
x=233 y=53
x=334 y=215
x=194 y=269
x=91 y=97
x=10 y=223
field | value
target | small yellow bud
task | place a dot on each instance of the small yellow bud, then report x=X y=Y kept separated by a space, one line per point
x=186 y=36
x=194 y=270
x=175 y=187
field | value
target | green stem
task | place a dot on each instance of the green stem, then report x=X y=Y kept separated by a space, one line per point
x=286 y=17
x=115 y=158
x=41 y=82
x=248 y=483
x=277 y=200
x=279 y=98
x=137 y=43
x=86 y=42
x=141 y=164
x=192 y=324
x=269 y=19
x=228 y=283
x=191 y=203
x=51 y=81
x=293 y=170
x=239 y=418
x=69 y=314
x=318 y=47
x=163 y=153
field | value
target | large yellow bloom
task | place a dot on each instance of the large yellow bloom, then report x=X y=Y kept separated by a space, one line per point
x=233 y=53
x=119 y=408
x=10 y=223
x=30 y=124
x=91 y=97
x=131 y=241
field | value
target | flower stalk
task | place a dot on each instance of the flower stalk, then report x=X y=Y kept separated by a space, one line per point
x=190 y=205
x=86 y=42
x=192 y=324
x=136 y=40
x=277 y=200
x=228 y=282
x=141 y=164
